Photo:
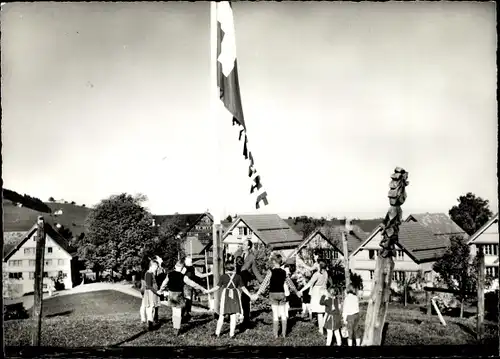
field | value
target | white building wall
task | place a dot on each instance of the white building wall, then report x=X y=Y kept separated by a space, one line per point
x=489 y=239
x=364 y=263
x=23 y=261
x=234 y=239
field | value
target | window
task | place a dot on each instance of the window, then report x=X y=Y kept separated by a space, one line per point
x=398 y=275
x=400 y=255
x=32 y=275
x=335 y=254
x=48 y=262
x=491 y=249
x=60 y=262
x=241 y=231
x=15 y=263
x=29 y=251
x=428 y=276
x=250 y=232
x=49 y=249
x=45 y=274
x=371 y=254
x=371 y=274
x=32 y=263
x=17 y=275
x=492 y=271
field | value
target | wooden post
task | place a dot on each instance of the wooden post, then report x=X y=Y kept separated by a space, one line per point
x=346 y=259
x=38 y=287
x=217 y=264
x=480 y=293
x=381 y=292
x=428 y=302
x=378 y=302
x=436 y=308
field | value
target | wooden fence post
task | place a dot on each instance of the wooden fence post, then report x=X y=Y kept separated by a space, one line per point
x=38 y=287
x=347 y=273
x=480 y=293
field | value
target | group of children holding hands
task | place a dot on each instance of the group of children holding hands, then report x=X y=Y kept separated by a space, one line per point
x=317 y=297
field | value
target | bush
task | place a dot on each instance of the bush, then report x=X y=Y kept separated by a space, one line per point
x=15 y=311
x=491 y=305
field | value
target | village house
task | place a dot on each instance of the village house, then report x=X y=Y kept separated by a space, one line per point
x=329 y=241
x=439 y=224
x=262 y=229
x=417 y=250
x=191 y=225
x=19 y=260
x=487 y=237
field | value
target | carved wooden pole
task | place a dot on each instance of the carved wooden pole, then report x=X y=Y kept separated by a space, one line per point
x=38 y=288
x=345 y=249
x=379 y=300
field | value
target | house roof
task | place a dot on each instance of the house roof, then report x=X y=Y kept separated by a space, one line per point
x=474 y=238
x=365 y=225
x=333 y=234
x=416 y=240
x=182 y=221
x=11 y=248
x=437 y=223
x=270 y=229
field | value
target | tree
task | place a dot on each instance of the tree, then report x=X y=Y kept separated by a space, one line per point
x=407 y=283
x=51 y=199
x=119 y=230
x=309 y=224
x=471 y=213
x=73 y=202
x=229 y=219
x=458 y=272
x=65 y=232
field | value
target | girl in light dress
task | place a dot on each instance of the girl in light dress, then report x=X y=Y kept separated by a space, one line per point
x=350 y=316
x=318 y=284
x=333 y=316
x=279 y=282
x=231 y=285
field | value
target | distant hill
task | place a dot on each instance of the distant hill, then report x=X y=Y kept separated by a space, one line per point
x=19 y=219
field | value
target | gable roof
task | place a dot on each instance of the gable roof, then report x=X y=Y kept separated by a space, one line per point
x=269 y=228
x=416 y=240
x=12 y=248
x=365 y=225
x=438 y=223
x=183 y=222
x=474 y=238
x=334 y=236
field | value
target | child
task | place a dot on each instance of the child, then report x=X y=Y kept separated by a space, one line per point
x=231 y=284
x=306 y=298
x=277 y=280
x=350 y=316
x=151 y=297
x=318 y=284
x=333 y=318
x=175 y=282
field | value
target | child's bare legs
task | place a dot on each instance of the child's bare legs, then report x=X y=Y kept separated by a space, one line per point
x=176 y=318
x=142 y=312
x=338 y=337
x=276 y=323
x=329 y=336
x=220 y=322
x=320 y=322
x=358 y=342
x=232 y=325
x=282 y=311
x=349 y=342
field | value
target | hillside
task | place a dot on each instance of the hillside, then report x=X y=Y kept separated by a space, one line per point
x=18 y=219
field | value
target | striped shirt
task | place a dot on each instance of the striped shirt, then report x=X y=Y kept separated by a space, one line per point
x=267 y=281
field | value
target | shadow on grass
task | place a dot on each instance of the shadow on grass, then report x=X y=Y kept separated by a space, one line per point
x=60 y=314
x=466 y=329
x=201 y=320
x=132 y=338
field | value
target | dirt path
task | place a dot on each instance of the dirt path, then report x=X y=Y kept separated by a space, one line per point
x=85 y=288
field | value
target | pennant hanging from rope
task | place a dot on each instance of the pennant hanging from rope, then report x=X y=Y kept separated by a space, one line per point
x=228 y=83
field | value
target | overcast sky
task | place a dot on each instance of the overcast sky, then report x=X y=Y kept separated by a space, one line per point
x=103 y=98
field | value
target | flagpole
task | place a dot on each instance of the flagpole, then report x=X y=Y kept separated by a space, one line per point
x=214 y=104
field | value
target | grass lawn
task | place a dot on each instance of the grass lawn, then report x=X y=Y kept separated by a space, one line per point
x=110 y=318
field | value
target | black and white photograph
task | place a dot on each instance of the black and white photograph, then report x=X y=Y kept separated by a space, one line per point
x=249 y=178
